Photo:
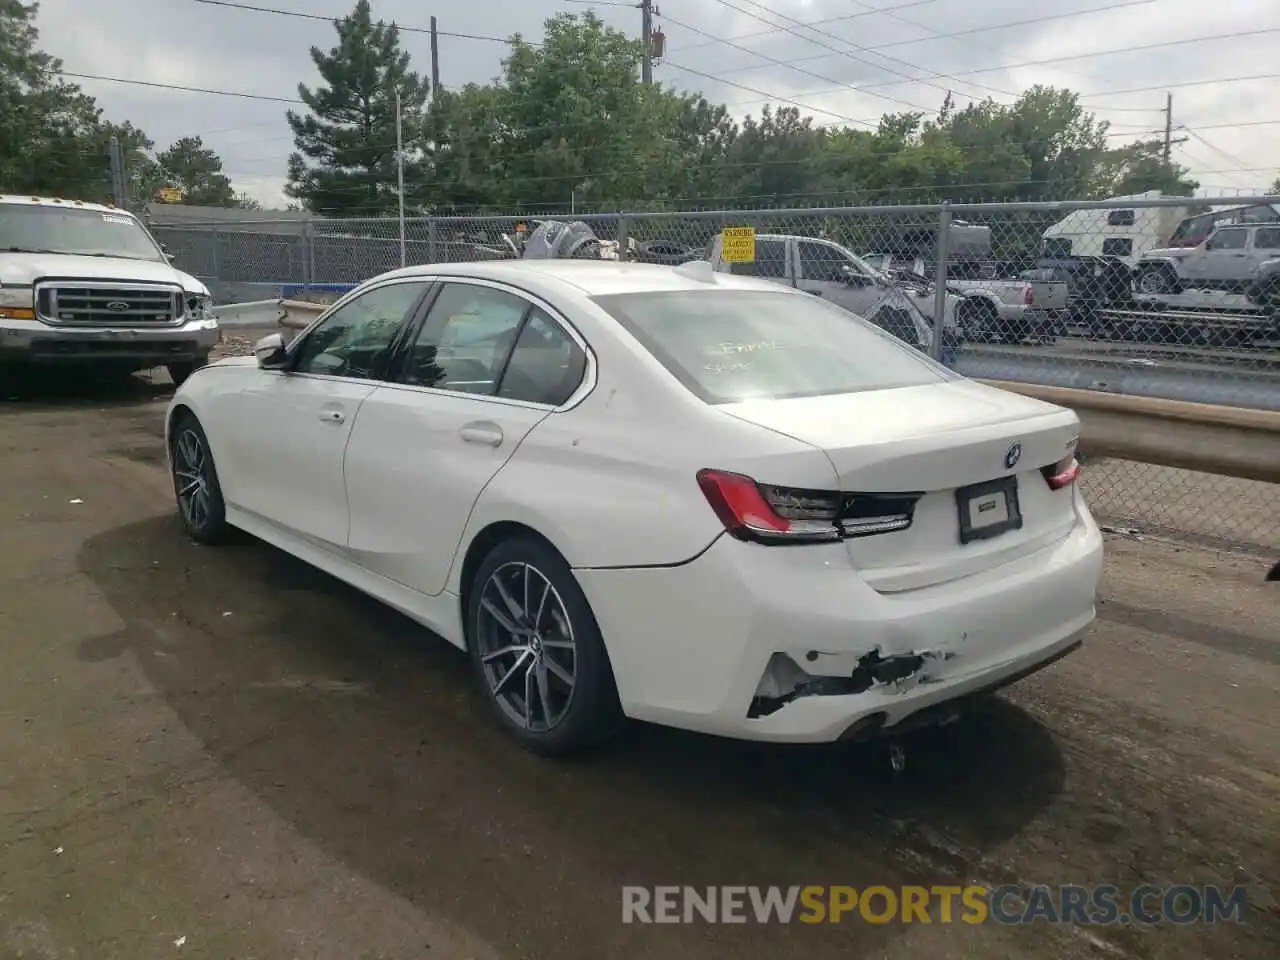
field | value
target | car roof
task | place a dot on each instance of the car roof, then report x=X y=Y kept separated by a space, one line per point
x=591 y=278
x=20 y=200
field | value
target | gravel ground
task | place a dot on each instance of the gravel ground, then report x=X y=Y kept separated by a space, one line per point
x=222 y=753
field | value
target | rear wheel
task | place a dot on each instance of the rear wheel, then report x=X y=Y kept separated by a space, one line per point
x=979 y=321
x=537 y=651
x=195 y=482
x=178 y=372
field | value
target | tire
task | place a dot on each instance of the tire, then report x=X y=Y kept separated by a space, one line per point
x=1157 y=281
x=566 y=665
x=179 y=372
x=201 y=508
x=979 y=321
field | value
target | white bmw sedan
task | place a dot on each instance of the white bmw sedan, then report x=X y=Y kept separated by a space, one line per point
x=652 y=492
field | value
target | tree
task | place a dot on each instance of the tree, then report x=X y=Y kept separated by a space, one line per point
x=197 y=171
x=346 y=159
x=1138 y=167
x=1275 y=187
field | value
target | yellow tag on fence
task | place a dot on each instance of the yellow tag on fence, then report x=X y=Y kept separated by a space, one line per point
x=738 y=244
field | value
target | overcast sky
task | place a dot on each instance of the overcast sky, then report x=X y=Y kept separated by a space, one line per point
x=195 y=44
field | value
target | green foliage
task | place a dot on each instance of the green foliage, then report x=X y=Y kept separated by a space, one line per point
x=197 y=171
x=346 y=159
x=569 y=121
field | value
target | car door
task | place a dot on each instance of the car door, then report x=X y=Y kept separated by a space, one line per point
x=293 y=424
x=1225 y=257
x=483 y=368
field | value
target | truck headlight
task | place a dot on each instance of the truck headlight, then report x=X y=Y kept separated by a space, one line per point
x=200 y=306
x=17 y=303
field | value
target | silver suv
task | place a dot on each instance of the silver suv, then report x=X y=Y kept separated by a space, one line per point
x=1228 y=259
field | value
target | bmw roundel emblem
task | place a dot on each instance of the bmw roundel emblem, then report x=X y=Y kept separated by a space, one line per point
x=1013 y=456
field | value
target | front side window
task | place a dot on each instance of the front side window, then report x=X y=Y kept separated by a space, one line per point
x=732 y=345
x=818 y=261
x=1117 y=247
x=466 y=339
x=32 y=228
x=355 y=340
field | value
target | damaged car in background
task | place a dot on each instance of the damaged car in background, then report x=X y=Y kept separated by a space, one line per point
x=665 y=493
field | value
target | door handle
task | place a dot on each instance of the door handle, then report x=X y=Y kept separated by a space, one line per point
x=484 y=432
x=333 y=416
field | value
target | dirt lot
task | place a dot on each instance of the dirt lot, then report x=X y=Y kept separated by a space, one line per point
x=221 y=753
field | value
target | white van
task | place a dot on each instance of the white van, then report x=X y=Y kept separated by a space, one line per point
x=1126 y=233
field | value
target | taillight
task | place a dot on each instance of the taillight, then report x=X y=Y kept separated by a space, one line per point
x=1063 y=473
x=772 y=514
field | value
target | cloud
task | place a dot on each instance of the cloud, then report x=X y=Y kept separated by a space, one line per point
x=882 y=62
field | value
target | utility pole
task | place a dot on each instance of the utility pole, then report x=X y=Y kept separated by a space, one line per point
x=1168 y=128
x=118 y=191
x=646 y=34
x=435 y=61
x=400 y=174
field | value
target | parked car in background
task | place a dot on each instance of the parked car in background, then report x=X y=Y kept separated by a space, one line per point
x=995 y=305
x=825 y=269
x=87 y=284
x=1227 y=260
x=667 y=493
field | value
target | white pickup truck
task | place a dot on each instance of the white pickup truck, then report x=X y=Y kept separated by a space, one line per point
x=1005 y=309
x=83 y=283
x=826 y=269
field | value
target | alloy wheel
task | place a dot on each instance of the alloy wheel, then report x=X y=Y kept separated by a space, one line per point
x=191 y=479
x=526 y=645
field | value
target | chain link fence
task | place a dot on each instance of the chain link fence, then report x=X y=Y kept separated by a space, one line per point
x=1150 y=296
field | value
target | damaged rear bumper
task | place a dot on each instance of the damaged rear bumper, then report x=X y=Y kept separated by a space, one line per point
x=790 y=645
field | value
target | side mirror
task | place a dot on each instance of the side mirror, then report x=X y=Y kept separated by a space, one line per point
x=270 y=352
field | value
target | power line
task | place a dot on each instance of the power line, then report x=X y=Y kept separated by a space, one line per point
x=844 y=53
x=815 y=23
x=1178 y=86
x=1039 y=63
x=944 y=36
x=177 y=86
x=790 y=66
x=315 y=16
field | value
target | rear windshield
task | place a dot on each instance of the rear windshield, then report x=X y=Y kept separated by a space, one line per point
x=732 y=345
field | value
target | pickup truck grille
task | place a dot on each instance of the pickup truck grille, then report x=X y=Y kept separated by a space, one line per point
x=109 y=305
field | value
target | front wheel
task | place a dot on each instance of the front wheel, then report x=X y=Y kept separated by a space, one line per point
x=179 y=372
x=537 y=651
x=195 y=482
x=1158 y=281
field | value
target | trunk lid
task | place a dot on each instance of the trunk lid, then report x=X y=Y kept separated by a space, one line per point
x=937 y=441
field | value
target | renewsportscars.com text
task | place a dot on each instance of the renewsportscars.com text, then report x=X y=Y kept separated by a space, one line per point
x=1067 y=904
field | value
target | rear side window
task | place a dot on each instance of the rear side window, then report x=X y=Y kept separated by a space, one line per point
x=1120 y=218
x=731 y=345
x=1267 y=238
x=1117 y=247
